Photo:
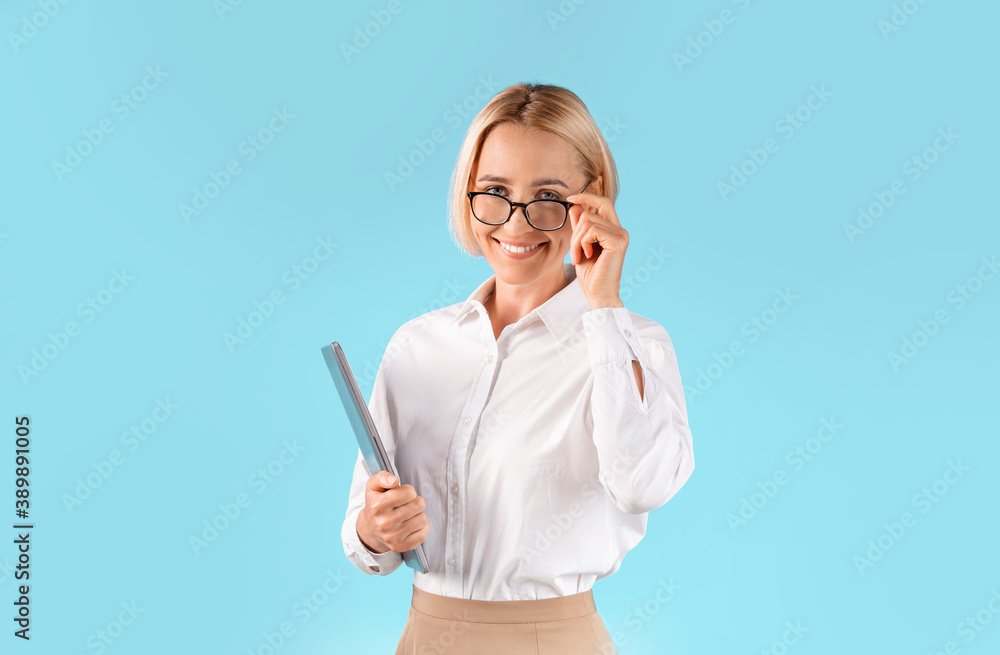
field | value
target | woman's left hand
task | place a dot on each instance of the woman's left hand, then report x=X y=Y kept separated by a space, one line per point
x=597 y=248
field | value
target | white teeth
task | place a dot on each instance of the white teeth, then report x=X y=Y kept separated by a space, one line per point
x=517 y=250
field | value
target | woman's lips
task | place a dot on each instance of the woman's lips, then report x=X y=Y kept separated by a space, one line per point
x=519 y=255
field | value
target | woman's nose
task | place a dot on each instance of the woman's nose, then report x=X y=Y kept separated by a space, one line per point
x=522 y=222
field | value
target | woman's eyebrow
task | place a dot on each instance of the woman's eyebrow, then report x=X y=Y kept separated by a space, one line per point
x=546 y=181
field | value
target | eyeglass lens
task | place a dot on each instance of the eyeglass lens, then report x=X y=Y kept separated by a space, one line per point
x=542 y=214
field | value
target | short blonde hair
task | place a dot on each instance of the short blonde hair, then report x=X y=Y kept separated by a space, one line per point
x=535 y=106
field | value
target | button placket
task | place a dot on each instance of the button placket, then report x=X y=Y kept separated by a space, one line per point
x=458 y=473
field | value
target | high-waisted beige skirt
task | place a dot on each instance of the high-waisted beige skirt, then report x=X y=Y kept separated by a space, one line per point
x=439 y=625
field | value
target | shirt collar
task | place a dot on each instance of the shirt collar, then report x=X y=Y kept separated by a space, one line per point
x=561 y=313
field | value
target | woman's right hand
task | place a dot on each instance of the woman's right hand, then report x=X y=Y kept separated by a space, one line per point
x=393 y=517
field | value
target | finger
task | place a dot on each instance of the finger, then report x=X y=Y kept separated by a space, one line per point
x=413 y=522
x=416 y=534
x=580 y=241
x=590 y=232
x=586 y=197
x=582 y=244
x=408 y=510
x=381 y=481
x=590 y=200
x=601 y=205
x=574 y=245
x=400 y=530
x=590 y=241
x=388 y=502
x=399 y=496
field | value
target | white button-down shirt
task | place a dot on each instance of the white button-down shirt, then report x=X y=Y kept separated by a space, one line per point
x=536 y=456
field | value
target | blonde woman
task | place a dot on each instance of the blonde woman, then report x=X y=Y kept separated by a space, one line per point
x=540 y=419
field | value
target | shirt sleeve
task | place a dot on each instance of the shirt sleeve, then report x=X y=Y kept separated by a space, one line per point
x=643 y=443
x=367 y=561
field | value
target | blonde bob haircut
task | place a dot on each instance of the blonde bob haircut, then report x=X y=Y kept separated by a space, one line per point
x=535 y=106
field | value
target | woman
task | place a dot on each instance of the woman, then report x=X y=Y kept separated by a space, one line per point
x=539 y=419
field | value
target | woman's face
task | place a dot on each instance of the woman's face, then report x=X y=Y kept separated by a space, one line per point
x=524 y=165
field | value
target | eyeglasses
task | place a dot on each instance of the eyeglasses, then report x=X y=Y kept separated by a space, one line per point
x=546 y=215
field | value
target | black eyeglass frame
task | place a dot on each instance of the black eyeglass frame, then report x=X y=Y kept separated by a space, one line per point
x=523 y=206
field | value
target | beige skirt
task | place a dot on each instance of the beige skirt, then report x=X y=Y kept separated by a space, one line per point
x=438 y=625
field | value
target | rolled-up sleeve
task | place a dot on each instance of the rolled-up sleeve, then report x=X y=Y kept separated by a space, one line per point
x=643 y=443
x=367 y=561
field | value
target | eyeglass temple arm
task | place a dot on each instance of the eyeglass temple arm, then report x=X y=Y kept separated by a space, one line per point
x=582 y=190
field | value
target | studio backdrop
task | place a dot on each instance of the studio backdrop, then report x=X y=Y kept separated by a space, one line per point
x=196 y=197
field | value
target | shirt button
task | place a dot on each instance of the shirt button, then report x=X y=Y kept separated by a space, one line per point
x=454 y=489
x=490 y=360
x=452 y=560
x=468 y=419
x=628 y=333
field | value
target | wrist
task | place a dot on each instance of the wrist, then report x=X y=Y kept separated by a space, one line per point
x=367 y=536
x=606 y=302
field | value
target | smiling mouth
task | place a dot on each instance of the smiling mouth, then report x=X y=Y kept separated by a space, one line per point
x=519 y=250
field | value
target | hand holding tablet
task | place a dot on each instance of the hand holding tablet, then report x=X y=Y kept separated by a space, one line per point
x=393 y=514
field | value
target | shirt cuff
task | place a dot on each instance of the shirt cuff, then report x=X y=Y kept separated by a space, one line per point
x=611 y=336
x=377 y=562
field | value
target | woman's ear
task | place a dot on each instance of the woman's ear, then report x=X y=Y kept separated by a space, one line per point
x=599 y=185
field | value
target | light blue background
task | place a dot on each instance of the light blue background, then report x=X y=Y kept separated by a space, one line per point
x=675 y=134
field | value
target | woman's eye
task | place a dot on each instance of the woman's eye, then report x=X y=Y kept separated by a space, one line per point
x=549 y=195
x=495 y=190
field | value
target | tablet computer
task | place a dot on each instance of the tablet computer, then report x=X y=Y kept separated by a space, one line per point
x=364 y=430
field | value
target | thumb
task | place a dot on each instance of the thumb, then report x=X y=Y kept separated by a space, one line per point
x=382 y=480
